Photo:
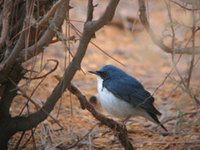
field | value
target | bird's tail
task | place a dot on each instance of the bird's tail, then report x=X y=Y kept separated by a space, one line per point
x=155 y=119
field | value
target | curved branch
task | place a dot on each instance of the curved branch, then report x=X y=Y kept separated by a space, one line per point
x=23 y=123
x=157 y=40
x=26 y=123
x=46 y=74
x=121 y=129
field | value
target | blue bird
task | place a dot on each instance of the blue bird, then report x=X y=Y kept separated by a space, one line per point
x=123 y=96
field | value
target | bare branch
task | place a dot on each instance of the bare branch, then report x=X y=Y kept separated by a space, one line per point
x=45 y=75
x=190 y=9
x=7 y=63
x=104 y=19
x=95 y=45
x=50 y=13
x=178 y=116
x=90 y=11
x=120 y=128
x=193 y=45
x=62 y=147
x=25 y=123
x=157 y=40
x=34 y=103
x=7 y=7
x=47 y=36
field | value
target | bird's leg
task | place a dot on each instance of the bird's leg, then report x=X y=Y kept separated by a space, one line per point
x=125 y=120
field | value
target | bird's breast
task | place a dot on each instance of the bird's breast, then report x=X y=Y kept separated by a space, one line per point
x=114 y=105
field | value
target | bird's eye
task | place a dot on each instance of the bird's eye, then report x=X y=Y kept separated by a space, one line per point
x=103 y=74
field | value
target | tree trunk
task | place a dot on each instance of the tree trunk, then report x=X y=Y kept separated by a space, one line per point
x=5 y=133
x=11 y=71
x=7 y=93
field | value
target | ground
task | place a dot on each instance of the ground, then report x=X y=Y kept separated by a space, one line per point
x=142 y=59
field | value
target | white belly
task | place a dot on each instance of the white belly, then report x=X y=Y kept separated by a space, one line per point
x=114 y=105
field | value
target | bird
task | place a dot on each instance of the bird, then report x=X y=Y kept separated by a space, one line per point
x=123 y=96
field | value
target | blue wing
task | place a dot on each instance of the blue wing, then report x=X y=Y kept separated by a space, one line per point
x=132 y=91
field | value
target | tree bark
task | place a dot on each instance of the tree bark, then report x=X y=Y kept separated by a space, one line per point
x=7 y=96
x=11 y=125
x=11 y=73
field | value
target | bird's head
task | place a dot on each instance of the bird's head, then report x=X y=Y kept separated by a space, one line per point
x=108 y=72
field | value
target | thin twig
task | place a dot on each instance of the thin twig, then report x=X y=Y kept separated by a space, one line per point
x=171 y=142
x=193 y=46
x=50 y=13
x=62 y=147
x=6 y=12
x=33 y=138
x=10 y=60
x=19 y=141
x=190 y=9
x=29 y=14
x=46 y=74
x=178 y=116
x=186 y=85
x=37 y=105
x=68 y=30
x=48 y=34
x=157 y=40
x=31 y=96
x=24 y=145
x=23 y=30
x=99 y=48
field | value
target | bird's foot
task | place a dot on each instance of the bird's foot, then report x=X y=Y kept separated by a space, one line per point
x=125 y=120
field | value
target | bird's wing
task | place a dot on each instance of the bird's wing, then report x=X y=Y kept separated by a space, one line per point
x=132 y=92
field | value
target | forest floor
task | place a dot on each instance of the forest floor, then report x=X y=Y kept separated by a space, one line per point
x=143 y=60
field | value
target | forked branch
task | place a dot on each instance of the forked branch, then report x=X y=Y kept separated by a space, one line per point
x=25 y=123
x=157 y=40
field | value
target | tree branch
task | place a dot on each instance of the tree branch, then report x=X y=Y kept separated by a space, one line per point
x=157 y=40
x=8 y=93
x=190 y=9
x=90 y=11
x=121 y=129
x=19 y=55
x=26 y=123
x=50 y=13
x=46 y=74
x=10 y=60
x=7 y=7
x=104 y=19
x=47 y=36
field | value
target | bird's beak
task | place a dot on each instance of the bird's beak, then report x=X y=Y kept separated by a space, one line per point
x=93 y=72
